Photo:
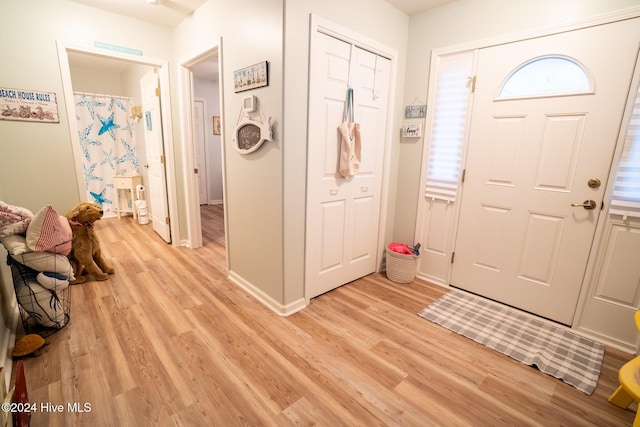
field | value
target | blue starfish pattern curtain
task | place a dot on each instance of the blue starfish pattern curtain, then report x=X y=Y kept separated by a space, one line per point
x=107 y=144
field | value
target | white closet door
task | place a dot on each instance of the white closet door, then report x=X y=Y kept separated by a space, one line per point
x=343 y=214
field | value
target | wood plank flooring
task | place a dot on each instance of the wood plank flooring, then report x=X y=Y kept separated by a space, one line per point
x=169 y=341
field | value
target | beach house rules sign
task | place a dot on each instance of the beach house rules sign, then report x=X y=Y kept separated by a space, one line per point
x=28 y=105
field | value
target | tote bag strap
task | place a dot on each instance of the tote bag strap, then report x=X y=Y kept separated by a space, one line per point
x=347 y=113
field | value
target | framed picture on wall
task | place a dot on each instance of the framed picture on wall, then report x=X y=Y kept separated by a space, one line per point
x=415 y=111
x=216 y=125
x=251 y=77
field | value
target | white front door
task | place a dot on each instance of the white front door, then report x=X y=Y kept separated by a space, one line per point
x=343 y=214
x=521 y=238
x=157 y=181
x=200 y=151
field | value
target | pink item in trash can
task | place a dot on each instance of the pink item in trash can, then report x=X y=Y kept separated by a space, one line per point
x=400 y=248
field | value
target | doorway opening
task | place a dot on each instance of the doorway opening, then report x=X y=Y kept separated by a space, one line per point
x=130 y=65
x=201 y=106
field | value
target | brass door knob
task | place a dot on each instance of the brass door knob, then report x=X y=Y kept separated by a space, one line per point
x=587 y=204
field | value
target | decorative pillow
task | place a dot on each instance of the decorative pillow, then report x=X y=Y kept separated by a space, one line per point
x=53 y=281
x=43 y=306
x=13 y=219
x=45 y=261
x=16 y=244
x=22 y=276
x=49 y=232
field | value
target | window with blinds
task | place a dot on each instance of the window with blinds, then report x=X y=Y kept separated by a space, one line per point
x=453 y=89
x=625 y=199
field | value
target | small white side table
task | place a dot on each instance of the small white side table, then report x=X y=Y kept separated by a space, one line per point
x=127 y=183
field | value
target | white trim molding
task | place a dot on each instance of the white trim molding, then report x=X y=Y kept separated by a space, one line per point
x=268 y=301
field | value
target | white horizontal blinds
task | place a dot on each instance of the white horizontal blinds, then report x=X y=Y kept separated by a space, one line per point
x=449 y=124
x=626 y=189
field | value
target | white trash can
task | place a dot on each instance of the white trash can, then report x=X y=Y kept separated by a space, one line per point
x=141 y=206
x=401 y=268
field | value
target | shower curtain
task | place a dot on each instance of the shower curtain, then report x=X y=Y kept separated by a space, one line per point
x=107 y=144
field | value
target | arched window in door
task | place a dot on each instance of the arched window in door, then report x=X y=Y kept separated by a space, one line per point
x=547 y=76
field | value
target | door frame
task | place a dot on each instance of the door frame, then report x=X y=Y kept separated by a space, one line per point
x=205 y=152
x=165 y=111
x=322 y=25
x=185 y=86
x=422 y=219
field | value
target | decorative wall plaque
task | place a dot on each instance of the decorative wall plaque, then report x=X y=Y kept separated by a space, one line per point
x=28 y=105
x=250 y=134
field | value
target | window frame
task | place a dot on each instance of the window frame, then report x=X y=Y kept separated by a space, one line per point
x=536 y=95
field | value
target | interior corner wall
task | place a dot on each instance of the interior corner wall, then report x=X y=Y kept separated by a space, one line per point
x=265 y=191
x=465 y=21
x=36 y=159
x=251 y=32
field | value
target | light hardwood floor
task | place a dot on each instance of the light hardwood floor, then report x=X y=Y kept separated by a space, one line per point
x=168 y=340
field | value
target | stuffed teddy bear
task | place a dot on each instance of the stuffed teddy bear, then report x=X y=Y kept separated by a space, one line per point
x=86 y=255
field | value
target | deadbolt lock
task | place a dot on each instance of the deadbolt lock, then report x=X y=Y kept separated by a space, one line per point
x=594 y=183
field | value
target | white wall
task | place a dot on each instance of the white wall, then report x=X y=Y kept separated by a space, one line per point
x=464 y=21
x=36 y=159
x=265 y=191
x=32 y=154
x=251 y=32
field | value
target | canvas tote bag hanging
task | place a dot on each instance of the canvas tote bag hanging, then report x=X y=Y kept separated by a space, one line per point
x=350 y=145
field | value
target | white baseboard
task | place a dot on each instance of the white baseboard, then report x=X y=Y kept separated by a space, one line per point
x=431 y=279
x=603 y=339
x=275 y=306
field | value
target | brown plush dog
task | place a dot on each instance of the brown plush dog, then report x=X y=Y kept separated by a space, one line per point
x=86 y=256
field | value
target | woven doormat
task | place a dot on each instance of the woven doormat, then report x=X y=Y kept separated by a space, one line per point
x=553 y=349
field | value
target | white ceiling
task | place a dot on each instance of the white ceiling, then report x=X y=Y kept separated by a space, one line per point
x=170 y=12
x=167 y=13
x=415 y=6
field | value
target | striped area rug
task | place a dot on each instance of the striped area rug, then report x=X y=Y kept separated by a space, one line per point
x=552 y=348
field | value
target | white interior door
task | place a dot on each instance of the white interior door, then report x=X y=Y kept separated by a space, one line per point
x=200 y=150
x=157 y=181
x=520 y=241
x=343 y=214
